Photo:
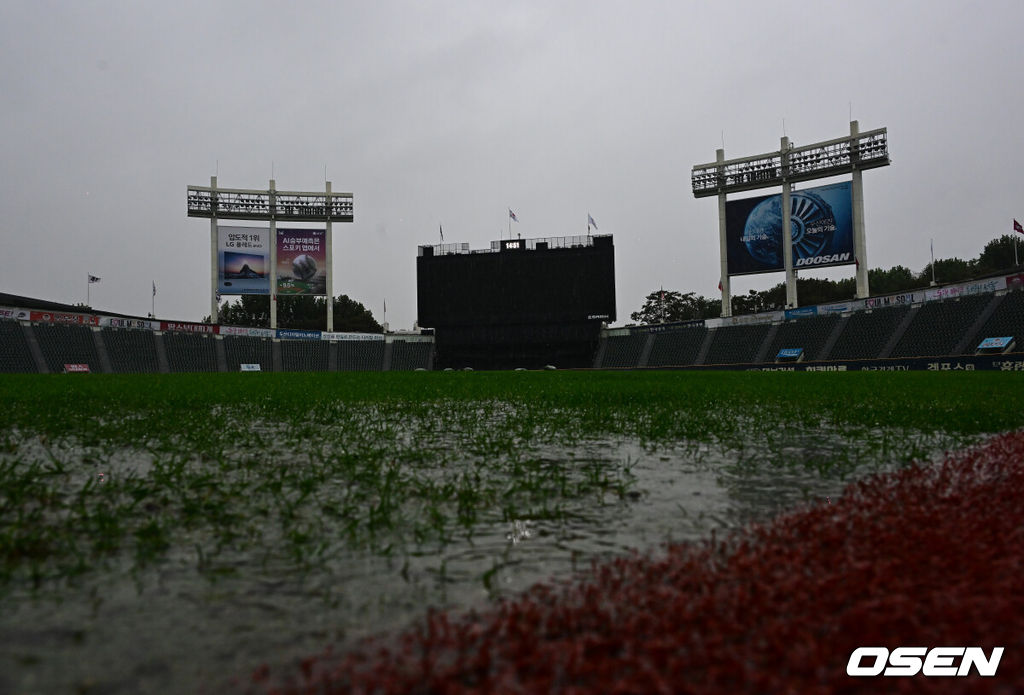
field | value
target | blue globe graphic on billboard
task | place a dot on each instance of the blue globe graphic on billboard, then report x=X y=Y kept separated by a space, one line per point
x=761 y=233
x=811 y=226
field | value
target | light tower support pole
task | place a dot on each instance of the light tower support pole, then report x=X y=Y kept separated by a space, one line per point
x=787 y=226
x=329 y=251
x=860 y=244
x=214 y=308
x=723 y=243
x=273 y=254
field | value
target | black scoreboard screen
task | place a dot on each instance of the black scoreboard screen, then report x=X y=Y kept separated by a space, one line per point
x=523 y=282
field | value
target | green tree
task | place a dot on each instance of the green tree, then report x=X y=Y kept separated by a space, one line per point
x=947 y=270
x=302 y=312
x=666 y=306
x=999 y=255
x=893 y=281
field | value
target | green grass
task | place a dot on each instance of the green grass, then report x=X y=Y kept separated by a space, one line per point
x=298 y=470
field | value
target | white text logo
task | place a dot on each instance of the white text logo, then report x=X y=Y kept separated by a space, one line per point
x=907 y=661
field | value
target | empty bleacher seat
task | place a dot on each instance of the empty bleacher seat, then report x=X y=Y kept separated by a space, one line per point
x=245 y=350
x=15 y=357
x=737 y=344
x=361 y=355
x=939 y=326
x=66 y=344
x=407 y=355
x=867 y=333
x=130 y=351
x=623 y=350
x=1007 y=319
x=187 y=352
x=304 y=355
x=677 y=348
x=809 y=334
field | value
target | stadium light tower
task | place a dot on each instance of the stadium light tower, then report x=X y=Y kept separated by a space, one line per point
x=807 y=215
x=269 y=205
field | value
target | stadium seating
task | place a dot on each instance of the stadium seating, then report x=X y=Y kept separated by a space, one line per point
x=867 y=332
x=244 y=350
x=809 y=334
x=939 y=326
x=677 y=348
x=130 y=351
x=15 y=356
x=187 y=352
x=624 y=350
x=304 y=355
x=408 y=355
x=360 y=355
x=737 y=344
x=1007 y=320
x=67 y=344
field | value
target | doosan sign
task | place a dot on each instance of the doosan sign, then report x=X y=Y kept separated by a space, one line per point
x=909 y=661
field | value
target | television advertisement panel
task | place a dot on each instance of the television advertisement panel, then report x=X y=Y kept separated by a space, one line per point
x=243 y=260
x=821 y=222
x=301 y=262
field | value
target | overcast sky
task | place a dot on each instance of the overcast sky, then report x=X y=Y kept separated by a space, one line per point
x=450 y=113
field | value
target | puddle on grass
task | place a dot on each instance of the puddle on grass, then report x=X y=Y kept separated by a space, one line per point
x=185 y=624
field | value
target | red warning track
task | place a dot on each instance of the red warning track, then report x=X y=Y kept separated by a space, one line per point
x=923 y=557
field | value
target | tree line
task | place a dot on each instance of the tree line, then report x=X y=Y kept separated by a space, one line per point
x=300 y=312
x=664 y=306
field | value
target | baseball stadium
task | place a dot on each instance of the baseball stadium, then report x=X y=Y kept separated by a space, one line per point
x=516 y=497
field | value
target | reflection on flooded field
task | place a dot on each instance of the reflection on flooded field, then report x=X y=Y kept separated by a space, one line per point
x=180 y=562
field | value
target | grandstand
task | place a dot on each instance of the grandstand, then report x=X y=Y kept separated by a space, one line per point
x=937 y=328
x=15 y=356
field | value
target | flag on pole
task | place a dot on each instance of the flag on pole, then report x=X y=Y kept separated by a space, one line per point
x=856 y=262
x=154 y=288
x=441 y=229
x=93 y=278
x=1017 y=227
x=590 y=222
x=719 y=285
x=512 y=215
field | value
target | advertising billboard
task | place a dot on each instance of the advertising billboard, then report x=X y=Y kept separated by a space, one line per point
x=821 y=228
x=243 y=260
x=302 y=262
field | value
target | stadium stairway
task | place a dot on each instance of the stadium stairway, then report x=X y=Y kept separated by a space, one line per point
x=163 y=366
x=101 y=353
x=762 y=352
x=705 y=347
x=275 y=355
x=222 y=356
x=830 y=343
x=894 y=339
x=645 y=352
x=971 y=338
x=602 y=347
x=33 y=347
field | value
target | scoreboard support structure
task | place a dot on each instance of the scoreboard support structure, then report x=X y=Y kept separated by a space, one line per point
x=851 y=154
x=270 y=205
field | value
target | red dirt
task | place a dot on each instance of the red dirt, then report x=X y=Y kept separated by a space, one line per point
x=929 y=556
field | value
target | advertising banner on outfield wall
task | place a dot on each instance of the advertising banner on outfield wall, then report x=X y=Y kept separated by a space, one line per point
x=350 y=336
x=302 y=262
x=64 y=317
x=243 y=260
x=821 y=222
x=248 y=332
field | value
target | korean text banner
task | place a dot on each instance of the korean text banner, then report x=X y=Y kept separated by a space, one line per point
x=821 y=223
x=301 y=262
x=243 y=260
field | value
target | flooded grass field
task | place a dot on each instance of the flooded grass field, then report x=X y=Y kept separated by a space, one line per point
x=173 y=533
